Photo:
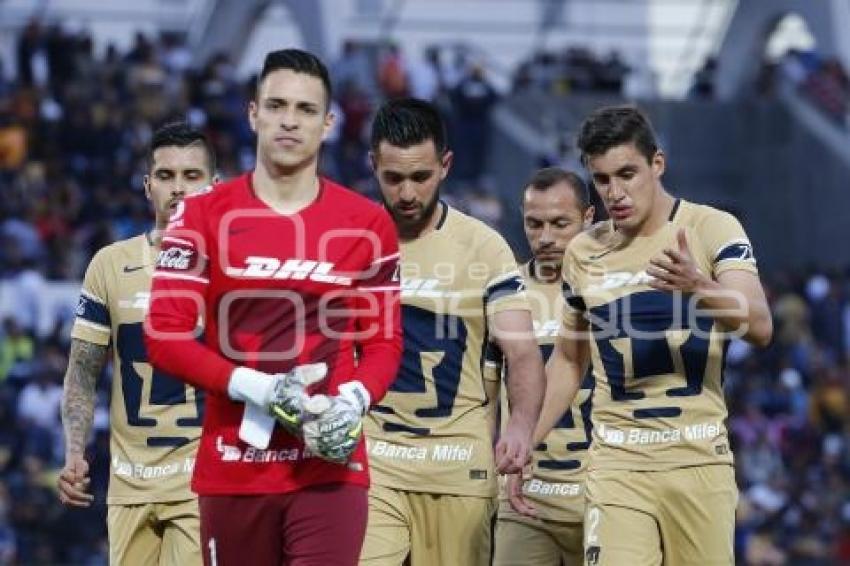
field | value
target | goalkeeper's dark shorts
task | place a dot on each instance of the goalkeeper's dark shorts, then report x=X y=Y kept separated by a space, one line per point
x=318 y=525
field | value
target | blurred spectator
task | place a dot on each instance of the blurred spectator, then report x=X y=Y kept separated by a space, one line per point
x=575 y=69
x=425 y=75
x=16 y=348
x=392 y=73
x=39 y=401
x=472 y=101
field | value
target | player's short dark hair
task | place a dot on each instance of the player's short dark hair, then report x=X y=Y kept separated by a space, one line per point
x=180 y=134
x=404 y=122
x=611 y=126
x=545 y=178
x=298 y=61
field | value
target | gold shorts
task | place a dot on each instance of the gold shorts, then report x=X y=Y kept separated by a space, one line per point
x=449 y=530
x=155 y=533
x=680 y=517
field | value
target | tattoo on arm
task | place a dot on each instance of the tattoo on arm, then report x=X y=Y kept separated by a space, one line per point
x=84 y=366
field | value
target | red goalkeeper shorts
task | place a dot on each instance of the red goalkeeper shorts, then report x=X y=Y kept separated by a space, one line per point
x=322 y=525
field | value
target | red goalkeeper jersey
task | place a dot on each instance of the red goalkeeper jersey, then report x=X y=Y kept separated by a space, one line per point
x=273 y=291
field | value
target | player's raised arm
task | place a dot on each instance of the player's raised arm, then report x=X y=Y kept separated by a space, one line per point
x=732 y=292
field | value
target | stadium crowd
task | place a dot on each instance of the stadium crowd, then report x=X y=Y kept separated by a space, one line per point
x=72 y=131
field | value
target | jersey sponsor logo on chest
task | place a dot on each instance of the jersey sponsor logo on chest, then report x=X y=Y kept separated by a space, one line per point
x=617 y=280
x=259 y=267
x=140 y=300
x=423 y=287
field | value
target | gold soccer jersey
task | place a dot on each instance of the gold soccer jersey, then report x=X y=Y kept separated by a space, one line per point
x=557 y=486
x=657 y=358
x=155 y=420
x=432 y=432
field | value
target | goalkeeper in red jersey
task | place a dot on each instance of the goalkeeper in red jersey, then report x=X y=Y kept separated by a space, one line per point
x=293 y=279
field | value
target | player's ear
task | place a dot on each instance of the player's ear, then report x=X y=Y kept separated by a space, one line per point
x=252 y=115
x=659 y=163
x=146 y=181
x=588 y=217
x=446 y=162
x=330 y=118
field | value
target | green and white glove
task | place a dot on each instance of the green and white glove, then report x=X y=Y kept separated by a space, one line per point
x=280 y=395
x=335 y=425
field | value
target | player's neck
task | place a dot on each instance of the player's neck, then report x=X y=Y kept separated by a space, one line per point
x=155 y=235
x=428 y=226
x=286 y=192
x=545 y=272
x=659 y=215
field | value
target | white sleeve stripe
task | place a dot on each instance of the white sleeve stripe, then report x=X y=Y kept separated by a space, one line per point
x=381 y=288
x=503 y=277
x=387 y=258
x=178 y=241
x=490 y=364
x=92 y=296
x=92 y=325
x=729 y=243
x=166 y=275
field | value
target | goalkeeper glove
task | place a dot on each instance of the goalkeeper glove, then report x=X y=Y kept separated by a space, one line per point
x=280 y=395
x=334 y=431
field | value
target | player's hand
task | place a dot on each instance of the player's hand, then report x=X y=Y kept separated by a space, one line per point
x=513 y=450
x=74 y=481
x=516 y=497
x=336 y=426
x=676 y=269
x=289 y=394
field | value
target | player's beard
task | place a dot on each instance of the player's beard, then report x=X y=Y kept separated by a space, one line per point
x=411 y=227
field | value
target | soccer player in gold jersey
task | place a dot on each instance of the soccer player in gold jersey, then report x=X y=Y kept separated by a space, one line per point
x=155 y=420
x=653 y=296
x=555 y=208
x=431 y=453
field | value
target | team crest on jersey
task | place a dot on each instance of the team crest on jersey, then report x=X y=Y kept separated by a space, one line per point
x=175 y=257
x=257 y=267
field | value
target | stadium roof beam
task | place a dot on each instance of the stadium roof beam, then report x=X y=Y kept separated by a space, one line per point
x=230 y=24
x=742 y=51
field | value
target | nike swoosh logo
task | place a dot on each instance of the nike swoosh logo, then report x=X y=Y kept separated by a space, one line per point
x=599 y=256
x=128 y=269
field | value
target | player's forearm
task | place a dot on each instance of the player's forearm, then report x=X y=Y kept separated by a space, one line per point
x=380 y=353
x=80 y=390
x=378 y=367
x=563 y=381
x=191 y=361
x=171 y=344
x=526 y=385
x=737 y=313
